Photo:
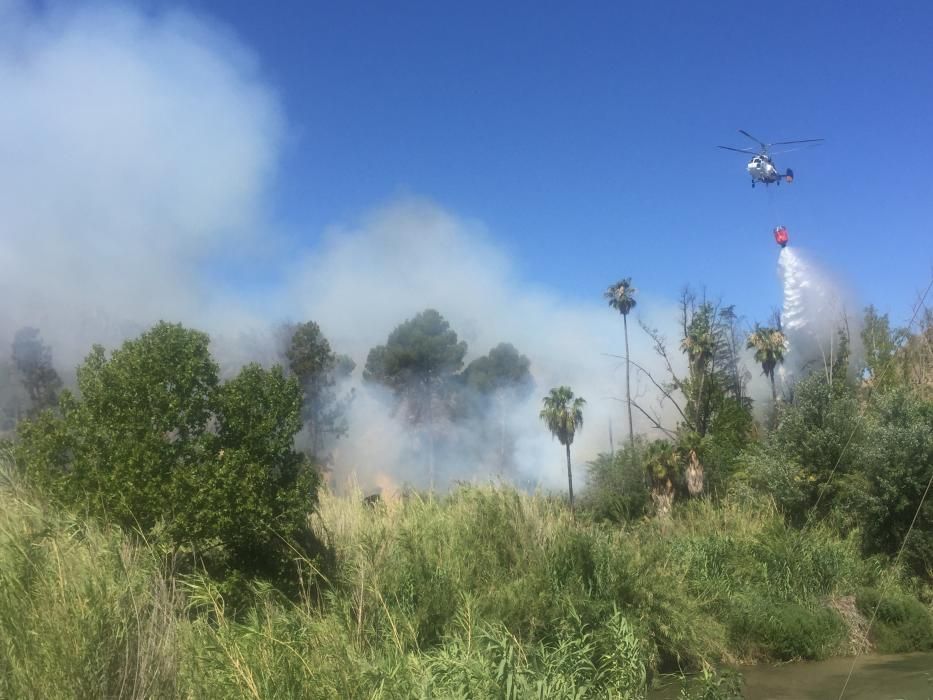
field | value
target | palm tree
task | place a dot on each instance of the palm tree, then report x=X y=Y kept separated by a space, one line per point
x=769 y=345
x=621 y=296
x=700 y=344
x=662 y=462
x=563 y=415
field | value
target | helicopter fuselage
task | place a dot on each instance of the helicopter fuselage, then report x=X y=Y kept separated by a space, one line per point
x=762 y=170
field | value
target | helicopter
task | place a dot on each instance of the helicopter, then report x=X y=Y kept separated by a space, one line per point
x=761 y=167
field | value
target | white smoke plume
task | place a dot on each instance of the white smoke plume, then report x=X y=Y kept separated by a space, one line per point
x=412 y=255
x=134 y=148
x=138 y=150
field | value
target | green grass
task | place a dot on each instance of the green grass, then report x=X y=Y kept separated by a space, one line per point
x=83 y=612
x=902 y=623
x=485 y=593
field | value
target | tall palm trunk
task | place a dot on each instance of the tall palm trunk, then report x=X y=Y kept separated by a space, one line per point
x=501 y=402
x=430 y=399
x=628 y=393
x=569 y=479
x=773 y=387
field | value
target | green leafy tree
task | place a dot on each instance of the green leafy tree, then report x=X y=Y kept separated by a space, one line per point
x=879 y=345
x=731 y=431
x=896 y=357
x=256 y=494
x=736 y=375
x=33 y=362
x=621 y=296
x=714 y=400
x=491 y=383
x=808 y=462
x=700 y=342
x=419 y=357
x=319 y=370
x=769 y=345
x=502 y=369
x=153 y=438
x=896 y=458
x=563 y=416
x=917 y=356
x=418 y=363
x=139 y=420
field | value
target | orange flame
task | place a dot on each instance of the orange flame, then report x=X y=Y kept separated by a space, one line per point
x=388 y=488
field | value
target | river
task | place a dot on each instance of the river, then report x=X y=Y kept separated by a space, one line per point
x=896 y=677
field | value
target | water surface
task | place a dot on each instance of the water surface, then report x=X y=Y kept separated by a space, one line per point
x=896 y=677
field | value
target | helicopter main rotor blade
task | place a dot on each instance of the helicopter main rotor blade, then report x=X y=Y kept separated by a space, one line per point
x=746 y=151
x=791 y=150
x=784 y=143
x=760 y=143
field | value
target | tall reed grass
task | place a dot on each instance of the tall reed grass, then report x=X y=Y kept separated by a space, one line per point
x=483 y=593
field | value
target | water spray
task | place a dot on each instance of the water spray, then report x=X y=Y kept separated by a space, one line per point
x=811 y=314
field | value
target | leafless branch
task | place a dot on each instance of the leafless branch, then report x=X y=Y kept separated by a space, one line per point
x=668 y=394
x=655 y=421
x=661 y=349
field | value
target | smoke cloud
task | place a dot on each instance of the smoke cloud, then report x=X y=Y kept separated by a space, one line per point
x=138 y=152
x=134 y=147
x=412 y=255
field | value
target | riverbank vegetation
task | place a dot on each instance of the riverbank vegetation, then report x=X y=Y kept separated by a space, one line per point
x=485 y=592
x=162 y=534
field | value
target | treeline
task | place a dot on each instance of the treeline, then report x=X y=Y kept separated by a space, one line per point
x=422 y=366
x=161 y=505
x=848 y=442
x=153 y=439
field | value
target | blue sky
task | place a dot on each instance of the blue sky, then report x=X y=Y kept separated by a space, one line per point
x=584 y=137
x=140 y=149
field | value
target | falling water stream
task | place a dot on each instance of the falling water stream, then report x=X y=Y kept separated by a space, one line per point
x=811 y=315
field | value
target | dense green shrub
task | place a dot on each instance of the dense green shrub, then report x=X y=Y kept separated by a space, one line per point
x=817 y=436
x=616 y=487
x=152 y=439
x=784 y=631
x=483 y=593
x=897 y=461
x=902 y=623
